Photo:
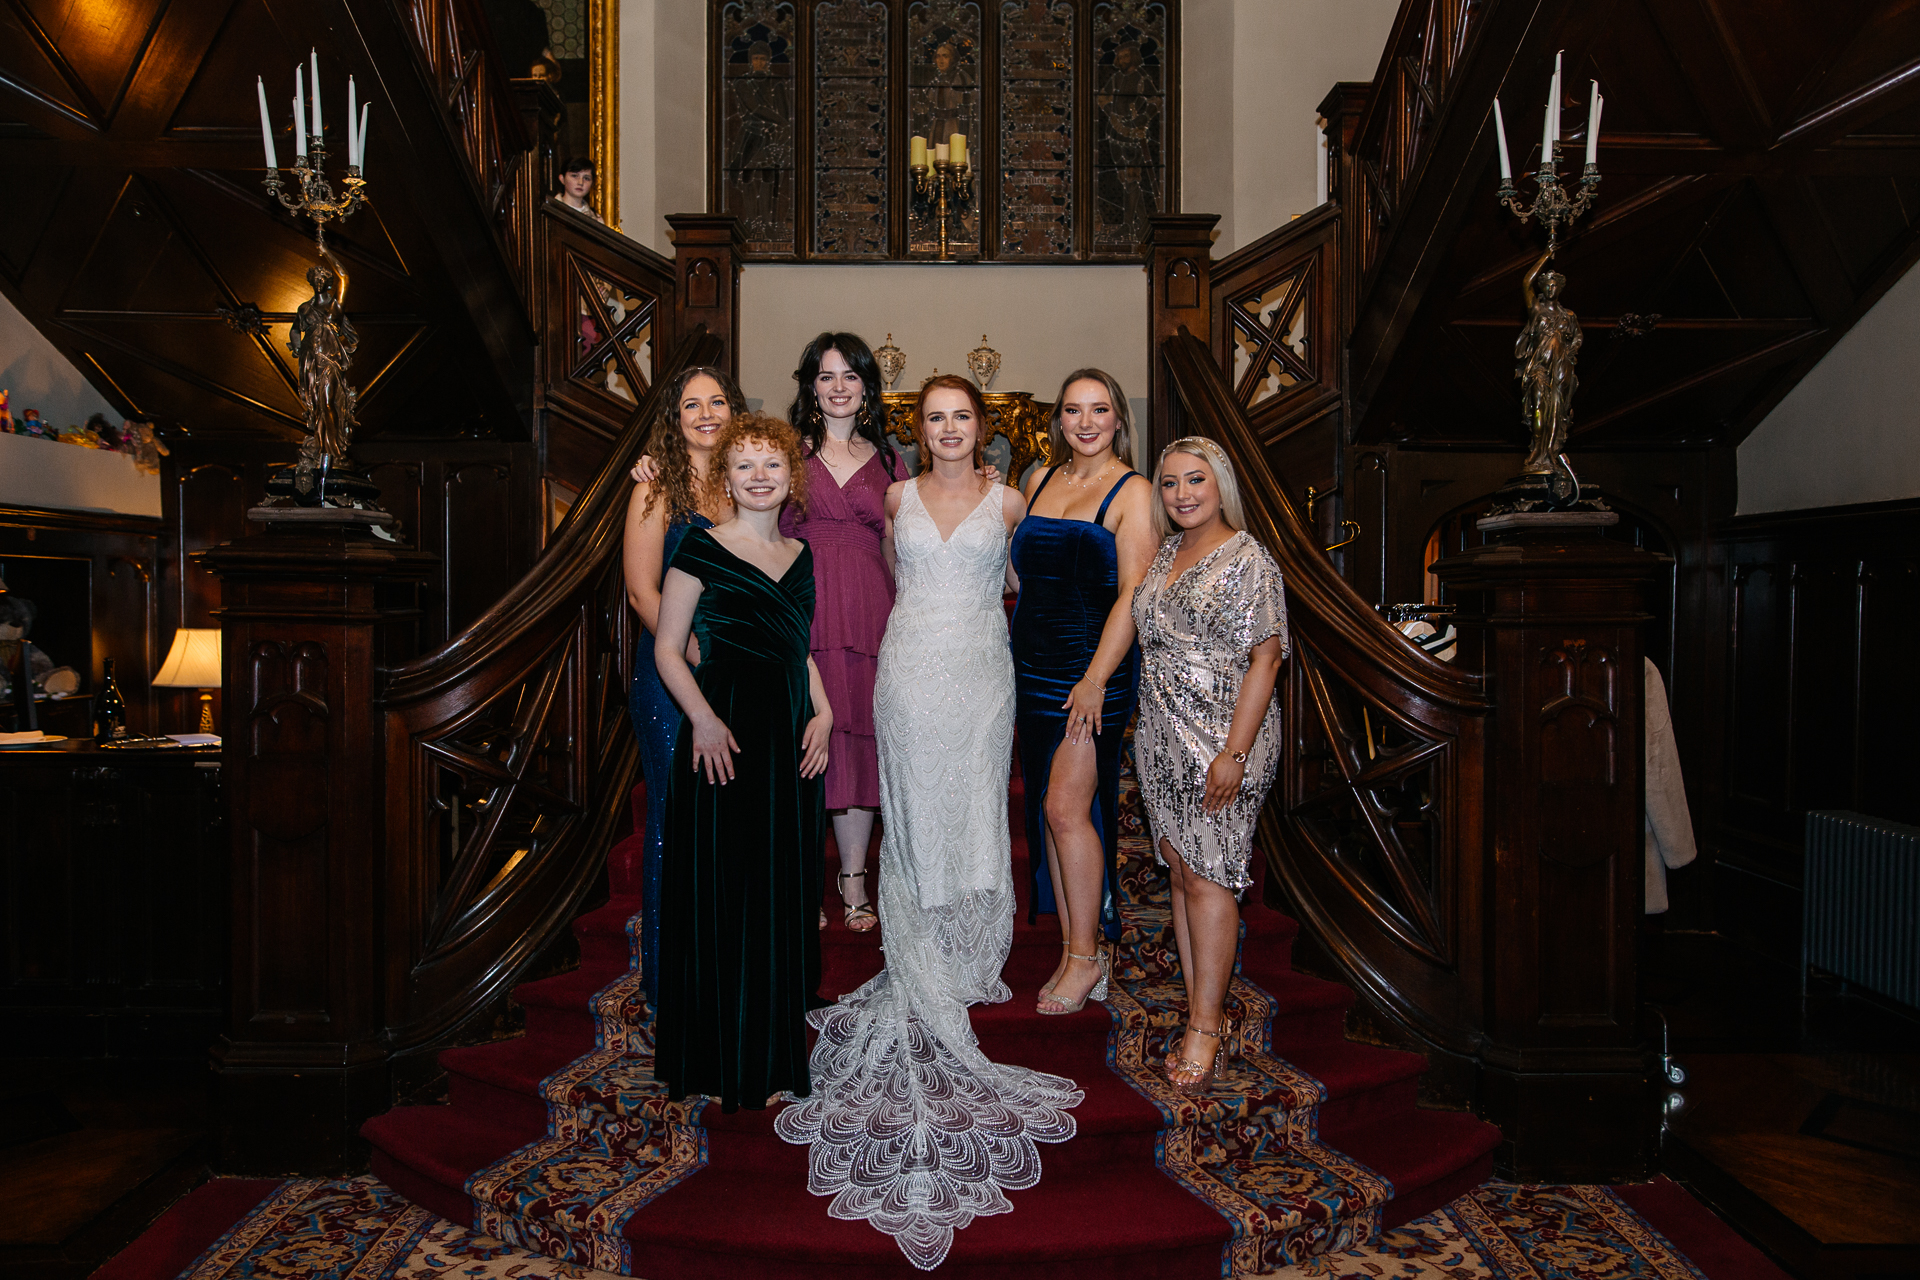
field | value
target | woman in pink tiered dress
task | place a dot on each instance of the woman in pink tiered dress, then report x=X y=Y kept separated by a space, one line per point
x=843 y=426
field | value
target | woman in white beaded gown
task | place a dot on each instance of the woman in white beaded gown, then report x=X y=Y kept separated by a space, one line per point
x=912 y=1127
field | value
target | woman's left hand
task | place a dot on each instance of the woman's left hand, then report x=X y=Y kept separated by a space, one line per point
x=1223 y=782
x=990 y=473
x=813 y=745
x=1084 y=704
x=645 y=471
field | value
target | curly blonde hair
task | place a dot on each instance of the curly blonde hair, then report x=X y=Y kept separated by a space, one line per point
x=760 y=428
x=675 y=481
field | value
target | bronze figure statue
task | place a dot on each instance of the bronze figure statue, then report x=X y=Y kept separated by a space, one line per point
x=323 y=341
x=1544 y=356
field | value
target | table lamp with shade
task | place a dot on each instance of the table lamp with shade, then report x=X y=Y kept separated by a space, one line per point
x=194 y=663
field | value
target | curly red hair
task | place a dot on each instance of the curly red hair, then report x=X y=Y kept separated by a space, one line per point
x=760 y=428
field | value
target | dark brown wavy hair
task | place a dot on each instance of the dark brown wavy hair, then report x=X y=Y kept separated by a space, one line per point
x=766 y=429
x=957 y=383
x=669 y=447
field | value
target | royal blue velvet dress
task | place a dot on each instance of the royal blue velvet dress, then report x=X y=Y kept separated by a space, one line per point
x=656 y=721
x=1069 y=580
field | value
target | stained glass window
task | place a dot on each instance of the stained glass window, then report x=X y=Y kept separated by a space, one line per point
x=1068 y=109
x=757 y=115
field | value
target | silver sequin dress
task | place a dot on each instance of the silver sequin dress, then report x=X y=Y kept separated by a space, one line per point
x=1195 y=636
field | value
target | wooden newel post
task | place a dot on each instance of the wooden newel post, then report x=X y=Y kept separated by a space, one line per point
x=307 y=617
x=706 y=278
x=1554 y=613
x=1179 y=295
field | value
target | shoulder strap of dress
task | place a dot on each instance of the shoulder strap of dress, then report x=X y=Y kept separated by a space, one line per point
x=1101 y=517
x=1043 y=484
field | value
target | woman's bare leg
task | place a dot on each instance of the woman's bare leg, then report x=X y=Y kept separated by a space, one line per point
x=1206 y=926
x=1079 y=863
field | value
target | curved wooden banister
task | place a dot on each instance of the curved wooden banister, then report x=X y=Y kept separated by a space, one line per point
x=509 y=761
x=1375 y=827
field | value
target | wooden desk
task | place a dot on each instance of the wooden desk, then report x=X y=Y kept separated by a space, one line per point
x=113 y=896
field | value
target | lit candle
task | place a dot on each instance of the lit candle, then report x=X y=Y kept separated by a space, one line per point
x=1593 y=123
x=299 y=112
x=957 y=148
x=940 y=152
x=364 y=109
x=353 y=115
x=917 y=152
x=266 y=124
x=319 y=132
x=1500 y=133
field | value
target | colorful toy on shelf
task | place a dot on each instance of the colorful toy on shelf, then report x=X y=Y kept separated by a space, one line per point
x=30 y=425
x=6 y=412
x=139 y=439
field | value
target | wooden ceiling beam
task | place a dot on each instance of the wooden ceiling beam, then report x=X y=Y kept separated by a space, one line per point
x=1716 y=75
x=1771 y=351
x=1889 y=155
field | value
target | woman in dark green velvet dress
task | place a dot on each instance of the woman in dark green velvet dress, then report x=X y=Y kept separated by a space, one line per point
x=740 y=881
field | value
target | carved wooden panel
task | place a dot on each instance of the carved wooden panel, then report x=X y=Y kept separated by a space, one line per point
x=288 y=741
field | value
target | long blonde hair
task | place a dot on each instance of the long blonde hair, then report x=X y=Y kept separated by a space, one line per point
x=1122 y=413
x=675 y=481
x=1223 y=475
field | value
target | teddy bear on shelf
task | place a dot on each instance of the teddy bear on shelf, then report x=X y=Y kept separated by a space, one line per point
x=139 y=439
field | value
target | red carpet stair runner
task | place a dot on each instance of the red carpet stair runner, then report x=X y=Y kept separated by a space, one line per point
x=560 y=1141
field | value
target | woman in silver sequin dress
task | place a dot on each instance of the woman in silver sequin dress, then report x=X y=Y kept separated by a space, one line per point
x=1212 y=621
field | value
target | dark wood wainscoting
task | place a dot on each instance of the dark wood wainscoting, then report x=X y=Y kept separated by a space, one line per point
x=474 y=504
x=1819 y=702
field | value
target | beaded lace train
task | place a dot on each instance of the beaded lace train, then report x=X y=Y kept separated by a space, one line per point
x=913 y=1128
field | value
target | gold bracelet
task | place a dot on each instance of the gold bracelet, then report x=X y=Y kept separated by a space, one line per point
x=1240 y=757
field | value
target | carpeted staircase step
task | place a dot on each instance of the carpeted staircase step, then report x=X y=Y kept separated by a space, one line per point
x=1285 y=1160
x=1431 y=1157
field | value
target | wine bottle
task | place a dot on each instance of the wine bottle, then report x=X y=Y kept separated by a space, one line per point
x=109 y=709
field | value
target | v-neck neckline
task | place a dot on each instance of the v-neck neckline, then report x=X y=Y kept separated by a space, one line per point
x=1175 y=579
x=779 y=581
x=928 y=512
x=837 y=486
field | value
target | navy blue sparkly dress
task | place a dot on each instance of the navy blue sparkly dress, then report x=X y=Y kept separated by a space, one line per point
x=1069 y=580
x=656 y=722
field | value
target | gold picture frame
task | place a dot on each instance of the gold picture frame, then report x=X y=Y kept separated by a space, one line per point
x=603 y=106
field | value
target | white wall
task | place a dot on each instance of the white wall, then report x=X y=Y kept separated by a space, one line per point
x=41 y=378
x=663 y=111
x=1044 y=321
x=1850 y=431
x=66 y=477
x=1252 y=74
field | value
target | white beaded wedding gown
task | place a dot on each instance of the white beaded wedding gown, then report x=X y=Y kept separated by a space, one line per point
x=912 y=1127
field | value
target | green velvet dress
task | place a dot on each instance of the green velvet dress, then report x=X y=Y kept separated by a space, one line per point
x=740 y=881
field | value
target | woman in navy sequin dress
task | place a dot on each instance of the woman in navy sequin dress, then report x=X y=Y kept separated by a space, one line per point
x=694 y=406
x=1086 y=542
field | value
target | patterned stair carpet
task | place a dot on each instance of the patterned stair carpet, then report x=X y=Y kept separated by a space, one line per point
x=360 y=1229
x=560 y=1142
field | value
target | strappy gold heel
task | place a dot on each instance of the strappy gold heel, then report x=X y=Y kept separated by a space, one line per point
x=1097 y=992
x=1202 y=1084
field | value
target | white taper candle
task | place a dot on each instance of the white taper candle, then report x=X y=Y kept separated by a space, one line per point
x=1500 y=136
x=266 y=124
x=353 y=117
x=319 y=131
x=299 y=111
x=1546 y=140
x=1553 y=97
x=1593 y=123
x=365 y=107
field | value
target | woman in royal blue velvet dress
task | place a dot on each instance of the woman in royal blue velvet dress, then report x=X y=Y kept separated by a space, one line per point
x=694 y=405
x=1087 y=541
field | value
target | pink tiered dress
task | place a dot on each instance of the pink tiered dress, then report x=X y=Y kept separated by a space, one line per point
x=853 y=594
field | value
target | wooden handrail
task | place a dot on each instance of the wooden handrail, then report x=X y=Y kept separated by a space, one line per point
x=1375 y=827
x=509 y=761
